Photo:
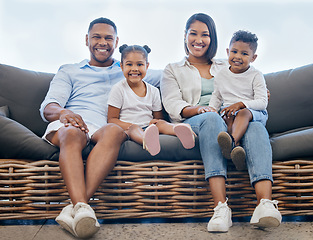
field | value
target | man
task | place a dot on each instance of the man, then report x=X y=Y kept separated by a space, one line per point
x=76 y=107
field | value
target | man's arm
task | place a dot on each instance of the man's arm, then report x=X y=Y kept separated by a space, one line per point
x=54 y=111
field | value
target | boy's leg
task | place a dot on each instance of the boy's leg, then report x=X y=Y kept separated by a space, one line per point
x=229 y=122
x=240 y=124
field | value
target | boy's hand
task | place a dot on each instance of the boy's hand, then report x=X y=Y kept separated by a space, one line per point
x=232 y=109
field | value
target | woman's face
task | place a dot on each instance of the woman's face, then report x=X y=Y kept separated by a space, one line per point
x=198 y=39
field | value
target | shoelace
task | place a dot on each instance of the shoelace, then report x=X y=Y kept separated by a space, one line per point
x=272 y=202
x=220 y=210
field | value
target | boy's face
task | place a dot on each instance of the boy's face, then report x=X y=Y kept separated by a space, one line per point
x=240 y=56
x=101 y=41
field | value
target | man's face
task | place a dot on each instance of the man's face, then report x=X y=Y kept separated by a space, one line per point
x=101 y=41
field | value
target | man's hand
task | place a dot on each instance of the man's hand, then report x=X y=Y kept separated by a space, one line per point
x=69 y=118
x=232 y=109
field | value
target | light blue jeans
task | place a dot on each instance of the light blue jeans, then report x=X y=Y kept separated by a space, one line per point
x=255 y=142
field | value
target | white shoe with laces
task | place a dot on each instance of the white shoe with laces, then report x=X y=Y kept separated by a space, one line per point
x=85 y=223
x=65 y=219
x=221 y=219
x=266 y=214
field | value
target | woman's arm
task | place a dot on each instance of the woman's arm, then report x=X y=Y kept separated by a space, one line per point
x=171 y=94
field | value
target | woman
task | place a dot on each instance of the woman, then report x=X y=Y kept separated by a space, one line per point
x=186 y=89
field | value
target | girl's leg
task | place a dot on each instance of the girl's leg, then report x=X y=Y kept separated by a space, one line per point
x=182 y=131
x=135 y=133
x=240 y=124
x=164 y=126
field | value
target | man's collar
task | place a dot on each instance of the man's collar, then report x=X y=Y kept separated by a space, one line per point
x=85 y=63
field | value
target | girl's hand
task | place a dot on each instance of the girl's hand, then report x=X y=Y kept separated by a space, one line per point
x=67 y=117
x=203 y=109
x=232 y=109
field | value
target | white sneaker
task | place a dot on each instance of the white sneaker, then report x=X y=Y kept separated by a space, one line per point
x=266 y=214
x=221 y=219
x=85 y=223
x=65 y=219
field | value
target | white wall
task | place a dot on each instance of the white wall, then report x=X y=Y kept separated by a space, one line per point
x=42 y=35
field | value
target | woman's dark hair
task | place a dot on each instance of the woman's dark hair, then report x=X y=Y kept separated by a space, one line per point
x=102 y=20
x=246 y=37
x=125 y=50
x=206 y=19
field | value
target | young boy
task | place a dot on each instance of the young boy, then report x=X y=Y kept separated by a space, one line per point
x=240 y=91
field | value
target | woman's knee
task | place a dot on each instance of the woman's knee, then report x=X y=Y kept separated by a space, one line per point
x=213 y=119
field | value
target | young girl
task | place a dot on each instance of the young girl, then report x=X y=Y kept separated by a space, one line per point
x=136 y=107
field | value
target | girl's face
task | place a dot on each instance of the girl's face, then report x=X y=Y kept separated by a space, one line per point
x=134 y=67
x=198 y=39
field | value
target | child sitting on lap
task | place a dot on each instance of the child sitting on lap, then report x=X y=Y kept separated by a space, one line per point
x=136 y=106
x=241 y=91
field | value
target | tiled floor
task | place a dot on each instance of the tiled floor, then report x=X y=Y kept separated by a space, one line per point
x=290 y=229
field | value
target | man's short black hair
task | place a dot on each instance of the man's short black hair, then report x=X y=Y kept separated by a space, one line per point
x=102 y=20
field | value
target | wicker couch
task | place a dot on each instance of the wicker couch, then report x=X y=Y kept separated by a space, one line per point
x=169 y=185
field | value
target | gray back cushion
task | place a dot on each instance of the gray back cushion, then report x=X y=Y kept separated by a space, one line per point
x=23 y=91
x=291 y=101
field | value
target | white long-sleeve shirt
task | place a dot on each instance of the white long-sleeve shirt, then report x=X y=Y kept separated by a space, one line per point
x=181 y=86
x=248 y=87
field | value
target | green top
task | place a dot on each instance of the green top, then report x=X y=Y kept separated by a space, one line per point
x=207 y=88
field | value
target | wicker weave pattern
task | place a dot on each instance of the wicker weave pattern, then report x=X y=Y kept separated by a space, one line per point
x=35 y=190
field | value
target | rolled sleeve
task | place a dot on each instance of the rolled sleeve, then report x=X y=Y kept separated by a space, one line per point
x=171 y=95
x=59 y=91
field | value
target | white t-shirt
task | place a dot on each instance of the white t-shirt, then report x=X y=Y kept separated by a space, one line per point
x=135 y=109
x=248 y=87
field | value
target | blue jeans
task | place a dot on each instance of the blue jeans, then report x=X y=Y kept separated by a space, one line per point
x=255 y=142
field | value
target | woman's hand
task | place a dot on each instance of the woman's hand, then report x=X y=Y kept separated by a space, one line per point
x=203 y=109
x=232 y=109
x=67 y=117
x=191 y=111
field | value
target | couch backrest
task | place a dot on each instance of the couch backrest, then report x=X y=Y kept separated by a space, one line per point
x=23 y=91
x=291 y=101
x=290 y=105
